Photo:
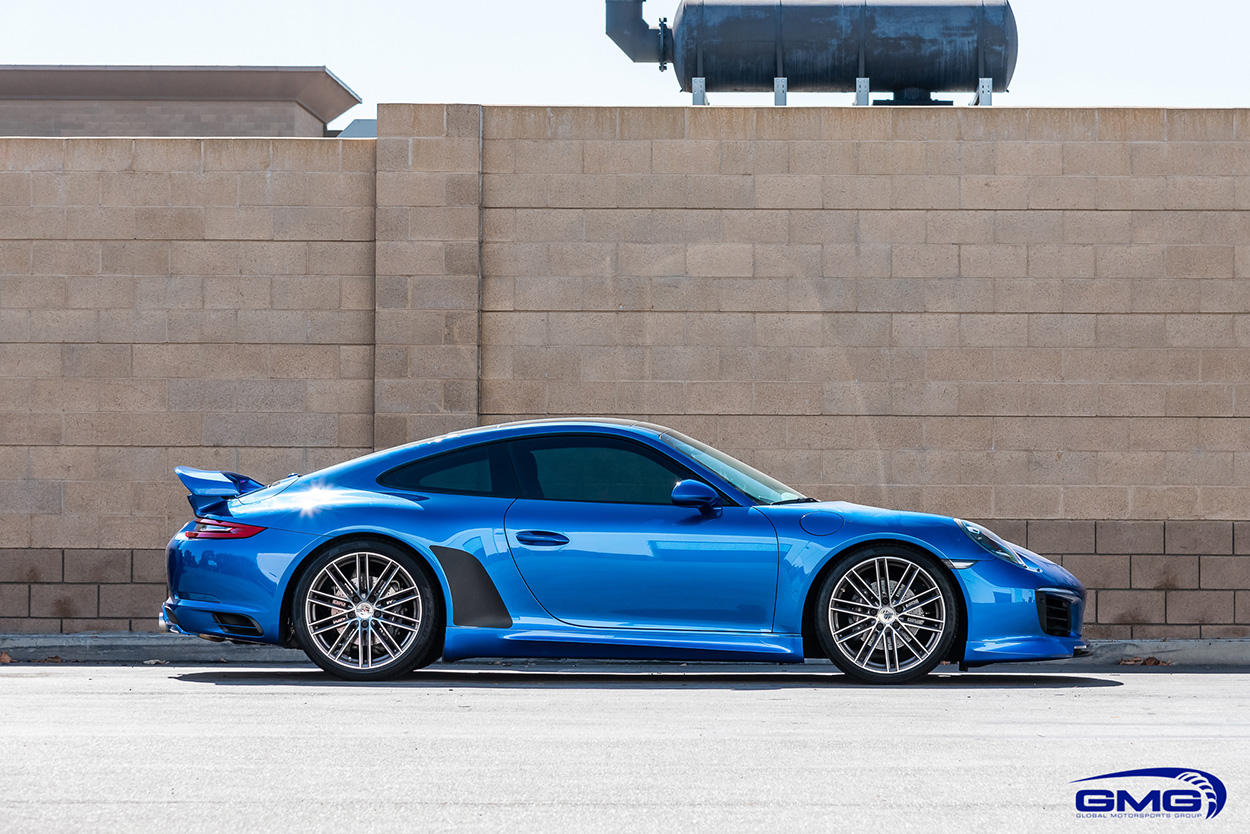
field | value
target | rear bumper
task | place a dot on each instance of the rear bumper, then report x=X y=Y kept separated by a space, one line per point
x=232 y=589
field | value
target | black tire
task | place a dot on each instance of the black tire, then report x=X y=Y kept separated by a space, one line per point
x=883 y=607
x=366 y=611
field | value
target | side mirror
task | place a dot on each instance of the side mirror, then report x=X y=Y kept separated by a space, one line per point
x=698 y=495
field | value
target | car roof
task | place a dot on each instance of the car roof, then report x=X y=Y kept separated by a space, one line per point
x=385 y=458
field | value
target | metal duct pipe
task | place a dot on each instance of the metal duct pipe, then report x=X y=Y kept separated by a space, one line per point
x=627 y=28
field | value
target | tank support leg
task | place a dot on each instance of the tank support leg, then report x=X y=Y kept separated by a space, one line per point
x=699 y=86
x=861 y=92
x=985 y=93
x=779 y=91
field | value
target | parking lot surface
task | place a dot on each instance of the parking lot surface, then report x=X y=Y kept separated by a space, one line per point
x=583 y=747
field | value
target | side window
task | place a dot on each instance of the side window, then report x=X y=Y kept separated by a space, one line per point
x=598 y=469
x=480 y=470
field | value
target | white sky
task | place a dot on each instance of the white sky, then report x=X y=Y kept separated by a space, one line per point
x=1072 y=52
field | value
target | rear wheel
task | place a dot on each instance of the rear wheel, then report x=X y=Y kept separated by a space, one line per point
x=887 y=615
x=367 y=611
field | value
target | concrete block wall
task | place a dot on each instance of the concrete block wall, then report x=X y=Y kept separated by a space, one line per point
x=988 y=312
x=1037 y=318
x=428 y=268
x=165 y=302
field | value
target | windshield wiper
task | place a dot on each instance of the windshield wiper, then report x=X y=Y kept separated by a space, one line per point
x=794 y=501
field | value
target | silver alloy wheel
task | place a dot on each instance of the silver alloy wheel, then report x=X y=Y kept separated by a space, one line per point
x=887 y=615
x=363 y=610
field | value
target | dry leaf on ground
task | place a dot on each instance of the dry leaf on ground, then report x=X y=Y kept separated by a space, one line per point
x=1144 y=661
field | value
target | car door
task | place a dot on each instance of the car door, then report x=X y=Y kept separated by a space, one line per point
x=599 y=542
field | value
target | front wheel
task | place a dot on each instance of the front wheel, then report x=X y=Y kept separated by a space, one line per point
x=886 y=615
x=367 y=611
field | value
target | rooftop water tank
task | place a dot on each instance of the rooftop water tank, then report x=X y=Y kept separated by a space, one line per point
x=824 y=46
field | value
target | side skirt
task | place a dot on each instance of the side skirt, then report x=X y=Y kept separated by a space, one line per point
x=621 y=644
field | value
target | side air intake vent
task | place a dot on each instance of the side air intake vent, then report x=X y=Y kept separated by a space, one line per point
x=1055 y=614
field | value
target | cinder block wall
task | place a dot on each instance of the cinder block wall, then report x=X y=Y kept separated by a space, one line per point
x=1033 y=317
x=167 y=301
x=1006 y=314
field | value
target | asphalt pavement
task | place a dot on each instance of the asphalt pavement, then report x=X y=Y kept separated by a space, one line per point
x=551 y=747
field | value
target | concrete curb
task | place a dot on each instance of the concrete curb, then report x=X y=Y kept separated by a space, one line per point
x=122 y=647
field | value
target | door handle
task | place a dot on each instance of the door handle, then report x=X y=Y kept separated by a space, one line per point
x=541 y=538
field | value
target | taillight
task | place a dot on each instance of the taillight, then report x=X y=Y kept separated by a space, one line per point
x=211 y=528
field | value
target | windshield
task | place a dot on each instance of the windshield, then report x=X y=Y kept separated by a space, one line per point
x=761 y=488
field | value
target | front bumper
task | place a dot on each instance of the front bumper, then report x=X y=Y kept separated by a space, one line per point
x=1022 y=614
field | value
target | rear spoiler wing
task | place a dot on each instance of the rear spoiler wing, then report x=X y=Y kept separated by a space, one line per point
x=210 y=489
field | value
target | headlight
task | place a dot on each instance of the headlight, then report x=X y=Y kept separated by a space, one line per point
x=988 y=541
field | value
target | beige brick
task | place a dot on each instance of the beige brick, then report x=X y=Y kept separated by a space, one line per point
x=823 y=157
x=789 y=192
x=528 y=157
x=1060 y=125
x=684 y=157
x=993 y=261
x=925 y=261
x=927 y=192
x=1200 y=194
x=1097 y=227
x=1130 y=537
x=955 y=158
x=14 y=600
x=862 y=192
x=136 y=600
x=1131 y=607
x=993 y=192
x=167 y=155
x=1200 y=606
x=857 y=261
x=1132 y=193
x=97 y=566
x=1231 y=572
x=32 y=565
x=966 y=227
x=1200 y=261
x=1201 y=125
x=1168 y=632
x=615 y=157
x=720 y=260
x=1132 y=124
x=1104 y=159
x=1204 y=537
x=1062 y=193
x=1032 y=501
x=1130 y=261
x=63 y=601
x=1058 y=538
x=1099 y=572
x=1165 y=572
x=720 y=123
x=755 y=158
x=788 y=261
x=920 y=124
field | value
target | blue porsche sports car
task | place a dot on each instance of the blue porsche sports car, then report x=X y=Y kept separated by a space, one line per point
x=598 y=539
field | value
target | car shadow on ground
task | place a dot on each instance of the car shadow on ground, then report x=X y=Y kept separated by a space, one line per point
x=572 y=679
